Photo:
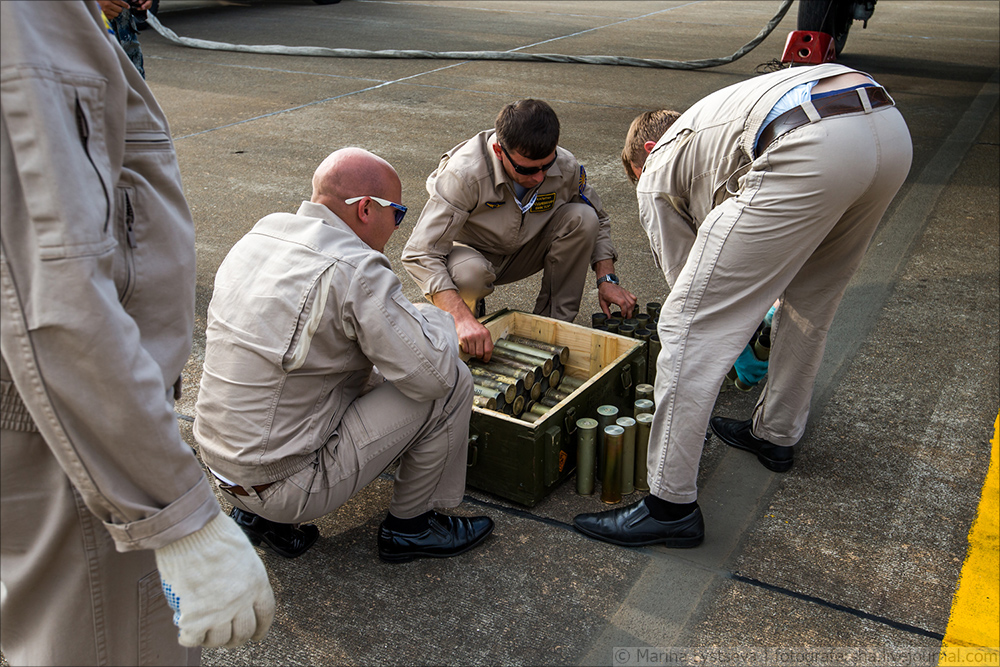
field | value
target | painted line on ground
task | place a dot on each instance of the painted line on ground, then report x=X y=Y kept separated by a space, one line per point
x=973 y=634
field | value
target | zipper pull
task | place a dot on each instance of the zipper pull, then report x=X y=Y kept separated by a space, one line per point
x=81 y=123
x=129 y=220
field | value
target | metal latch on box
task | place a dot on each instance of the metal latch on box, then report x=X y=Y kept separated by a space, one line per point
x=473 y=455
x=626 y=377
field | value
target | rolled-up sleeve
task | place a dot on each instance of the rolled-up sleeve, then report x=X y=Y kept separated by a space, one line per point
x=603 y=248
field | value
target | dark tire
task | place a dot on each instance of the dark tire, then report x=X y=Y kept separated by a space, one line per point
x=834 y=17
x=326 y=2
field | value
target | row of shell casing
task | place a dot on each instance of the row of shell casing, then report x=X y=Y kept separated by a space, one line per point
x=612 y=449
x=522 y=378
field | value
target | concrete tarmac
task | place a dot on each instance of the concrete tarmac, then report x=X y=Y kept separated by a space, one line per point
x=860 y=545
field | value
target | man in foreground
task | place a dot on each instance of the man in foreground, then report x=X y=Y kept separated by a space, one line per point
x=319 y=374
x=101 y=498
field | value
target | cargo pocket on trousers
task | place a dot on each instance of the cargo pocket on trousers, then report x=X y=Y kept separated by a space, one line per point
x=156 y=618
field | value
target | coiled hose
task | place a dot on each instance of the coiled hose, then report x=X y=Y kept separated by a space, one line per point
x=620 y=61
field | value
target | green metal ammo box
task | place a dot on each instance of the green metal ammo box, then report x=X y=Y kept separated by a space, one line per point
x=524 y=462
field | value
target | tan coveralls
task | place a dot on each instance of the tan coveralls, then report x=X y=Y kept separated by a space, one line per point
x=97 y=300
x=473 y=234
x=302 y=310
x=733 y=231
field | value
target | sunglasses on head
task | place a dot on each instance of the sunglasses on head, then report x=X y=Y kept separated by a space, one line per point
x=400 y=211
x=527 y=171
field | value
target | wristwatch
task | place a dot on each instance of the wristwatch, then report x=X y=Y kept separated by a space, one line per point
x=608 y=278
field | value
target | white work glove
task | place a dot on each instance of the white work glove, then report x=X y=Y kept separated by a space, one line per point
x=217 y=586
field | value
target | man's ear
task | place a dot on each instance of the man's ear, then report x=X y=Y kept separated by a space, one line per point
x=496 y=148
x=649 y=146
x=364 y=210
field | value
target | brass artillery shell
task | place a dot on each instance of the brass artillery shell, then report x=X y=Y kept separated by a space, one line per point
x=481 y=371
x=554 y=377
x=606 y=416
x=558 y=393
x=569 y=384
x=642 y=406
x=611 y=480
x=612 y=323
x=506 y=373
x=628 y=454
x=508 y=391
x=524 y=361
x=654 y=355
x=586 y=441
x=536 y=391
x=559 y=350
x=644 y=391
x=507 y=344
x=539 y=408
x=762 y=345
x=626 y=330
x=530 y=417
x=486 y=402
x=549 y=401
x=518 y=405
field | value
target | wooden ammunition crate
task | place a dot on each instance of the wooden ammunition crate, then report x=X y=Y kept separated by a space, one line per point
x=524 y=462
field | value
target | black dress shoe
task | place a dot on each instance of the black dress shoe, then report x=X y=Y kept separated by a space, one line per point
x=737 y=434
x=633 y=526
x=285 y=539
x=444 y=536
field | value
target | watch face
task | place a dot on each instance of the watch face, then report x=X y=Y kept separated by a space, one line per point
x=609 y=278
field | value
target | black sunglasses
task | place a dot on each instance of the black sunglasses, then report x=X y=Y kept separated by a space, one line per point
x=528 y=171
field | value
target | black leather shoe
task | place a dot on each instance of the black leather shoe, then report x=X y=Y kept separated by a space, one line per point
x=633 y=526
x=285 y=539
x=737 y=434
x=444 y=536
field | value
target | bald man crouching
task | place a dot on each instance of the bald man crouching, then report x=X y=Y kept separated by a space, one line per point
x=319 y=374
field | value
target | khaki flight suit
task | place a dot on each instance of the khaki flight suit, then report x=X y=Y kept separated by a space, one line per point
x=473 y=234
x=733 y=230
x=301 y=312
x=97 y=300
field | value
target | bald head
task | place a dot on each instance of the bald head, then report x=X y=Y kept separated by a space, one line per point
x=354 y=172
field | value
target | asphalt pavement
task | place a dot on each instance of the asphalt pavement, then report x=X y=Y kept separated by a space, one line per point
x=860 y=545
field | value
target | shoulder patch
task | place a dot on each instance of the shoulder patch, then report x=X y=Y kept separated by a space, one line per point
x=543 y=203
x=494 y=204
x=583 y=186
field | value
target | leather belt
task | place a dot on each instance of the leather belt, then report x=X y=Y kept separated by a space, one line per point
x=834 y=105
x=240 y=491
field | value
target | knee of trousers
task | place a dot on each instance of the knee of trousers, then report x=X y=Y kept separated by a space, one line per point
x=472 y=273
x=576 y=220
x=458 y=402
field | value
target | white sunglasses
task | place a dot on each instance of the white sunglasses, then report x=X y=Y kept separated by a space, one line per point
x=400 y=211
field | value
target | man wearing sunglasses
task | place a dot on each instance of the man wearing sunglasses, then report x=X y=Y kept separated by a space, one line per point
x=503 y=206
x=319 y=374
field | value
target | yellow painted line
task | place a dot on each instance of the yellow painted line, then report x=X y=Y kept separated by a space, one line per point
x=973 y=635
